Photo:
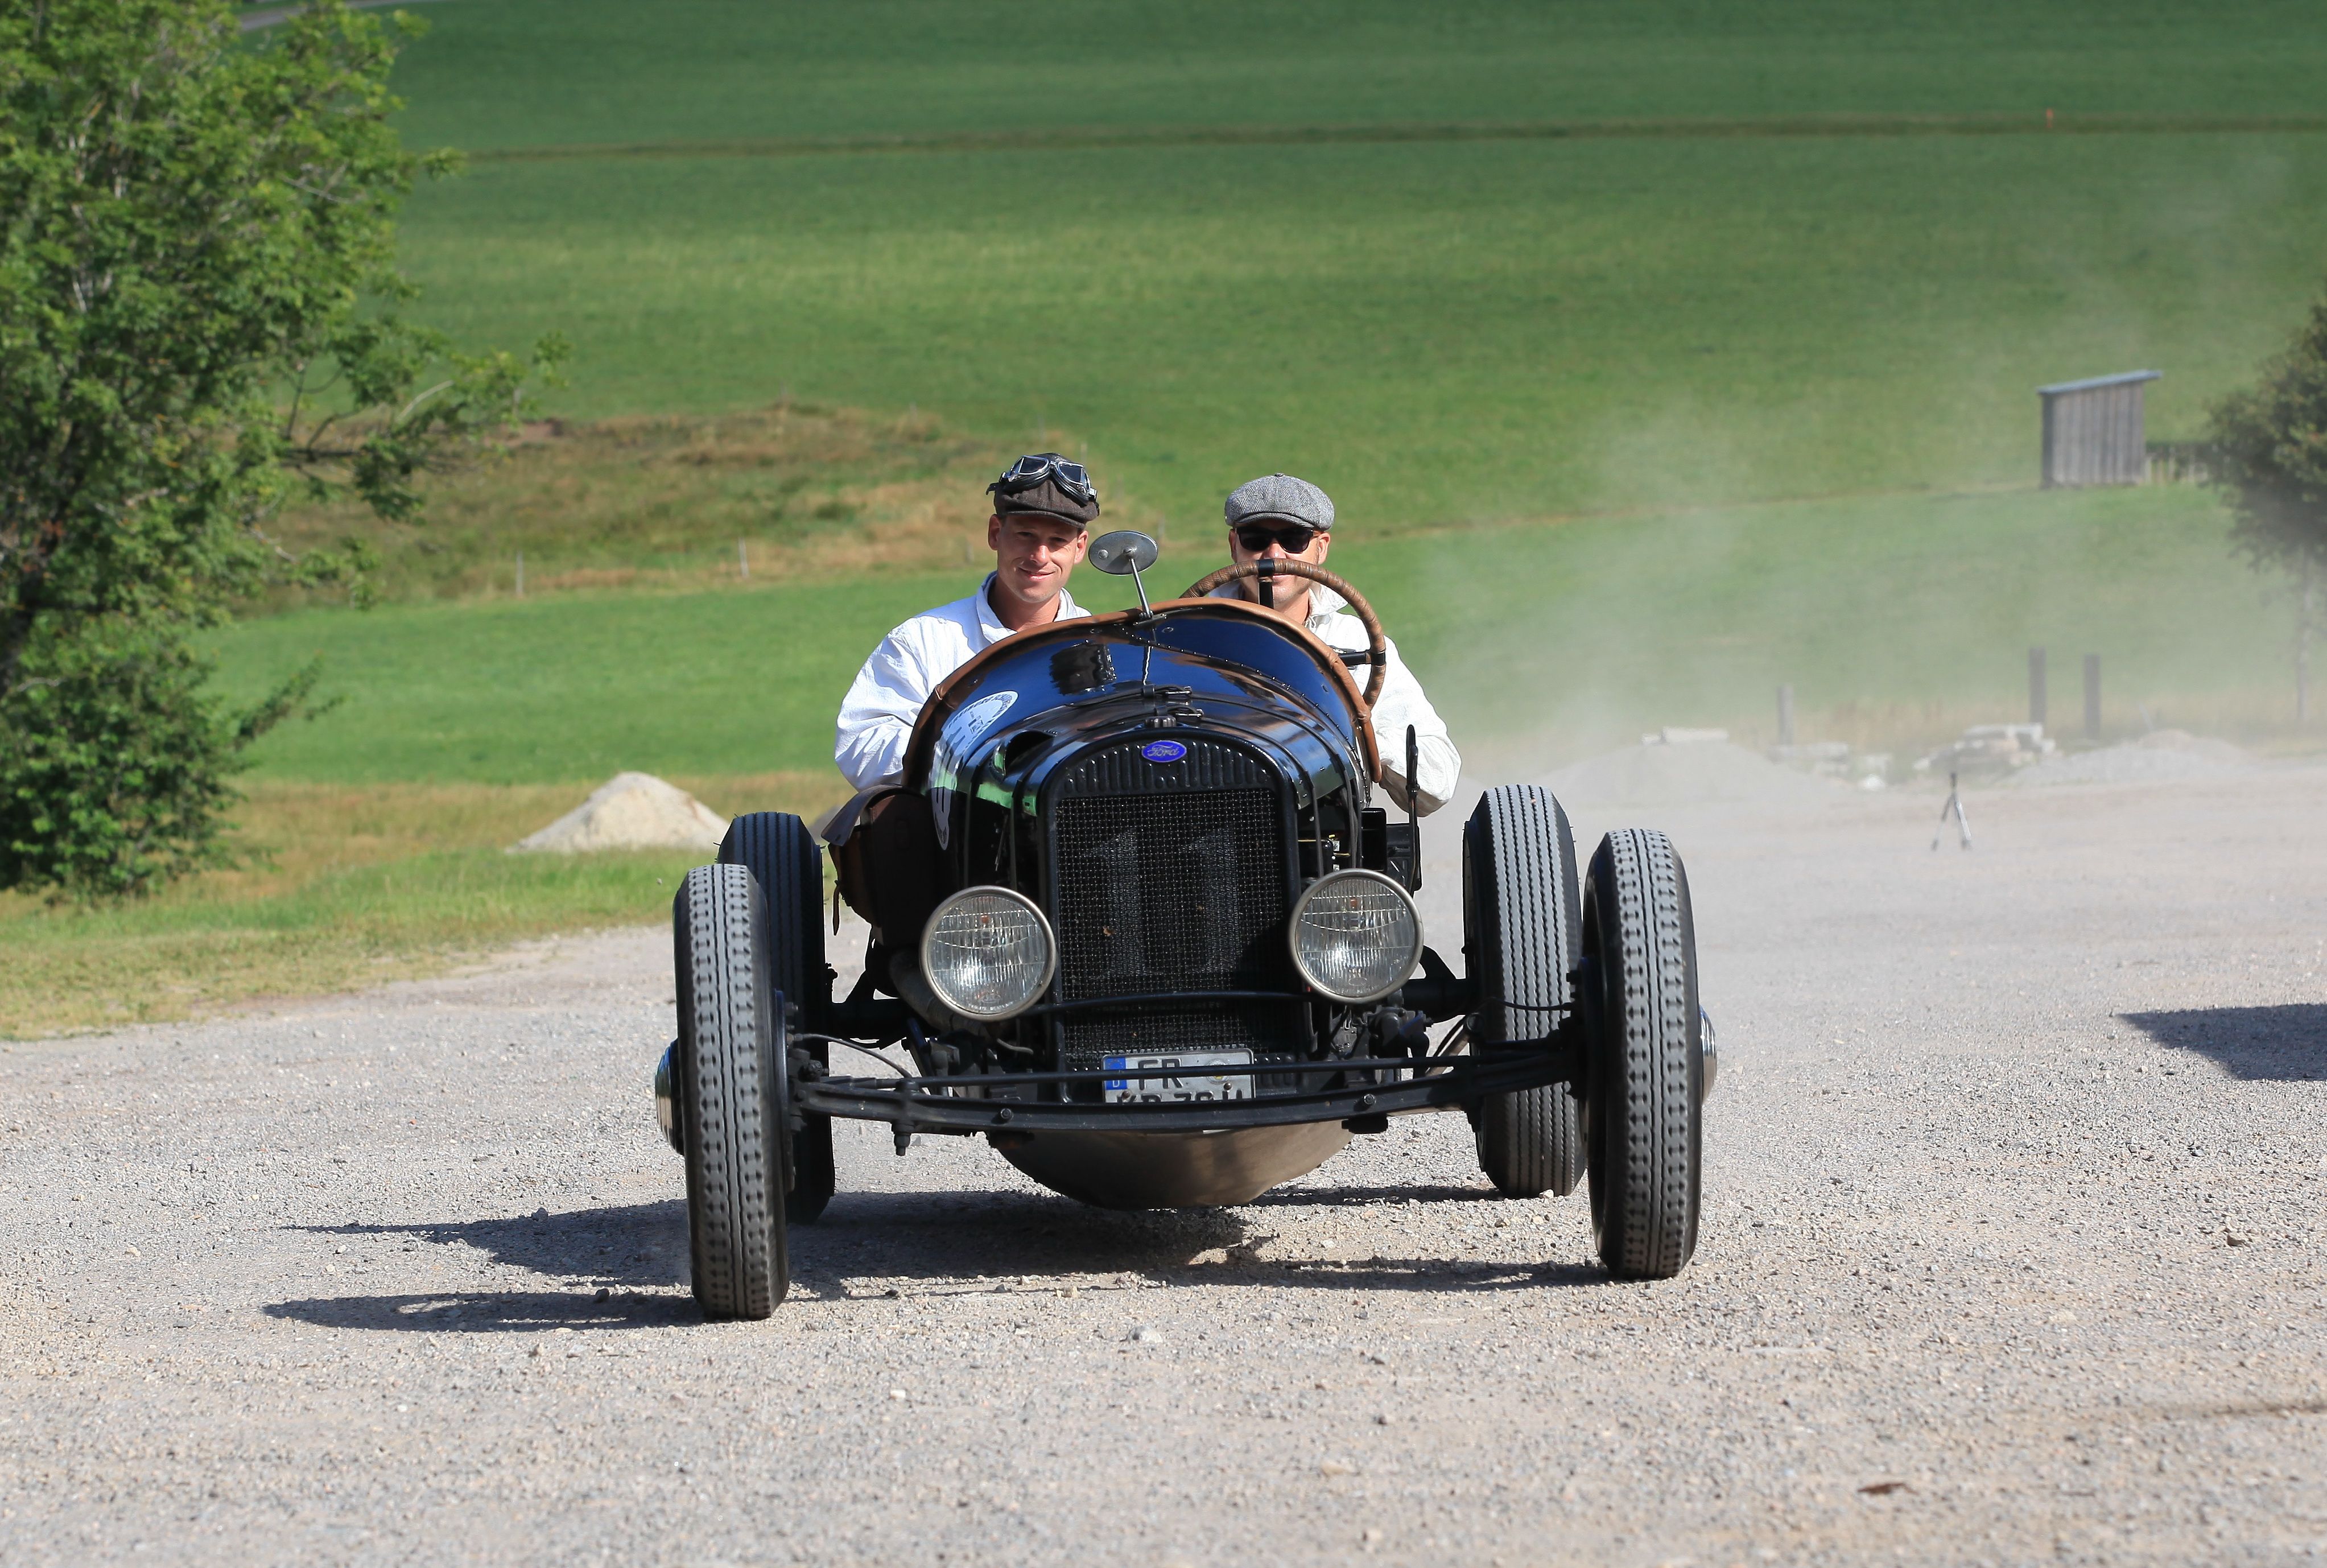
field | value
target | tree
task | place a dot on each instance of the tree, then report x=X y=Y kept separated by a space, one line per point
x=2270 y=454
x=199 y=319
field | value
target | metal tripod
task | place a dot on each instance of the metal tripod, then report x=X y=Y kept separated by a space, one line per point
x=1954 y=807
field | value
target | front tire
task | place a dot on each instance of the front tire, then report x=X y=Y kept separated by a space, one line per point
x=1644 y=1089
x=733 y=1069
x=1523 y=927
x=783 y=857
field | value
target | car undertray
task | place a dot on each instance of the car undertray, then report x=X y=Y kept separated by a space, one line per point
x=1172 y=1170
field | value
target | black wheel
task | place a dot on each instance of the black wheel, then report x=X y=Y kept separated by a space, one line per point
x=1644 y=1086
x=731 y=1062
x=783 y=858
x=1523 y=931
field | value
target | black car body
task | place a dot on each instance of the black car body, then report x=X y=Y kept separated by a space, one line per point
x=1174 y=794
x=1163 y=785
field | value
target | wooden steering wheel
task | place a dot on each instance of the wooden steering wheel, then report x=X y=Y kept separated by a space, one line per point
x=1376 y=644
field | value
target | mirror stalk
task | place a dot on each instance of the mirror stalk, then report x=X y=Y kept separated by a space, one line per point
x=1413 y=819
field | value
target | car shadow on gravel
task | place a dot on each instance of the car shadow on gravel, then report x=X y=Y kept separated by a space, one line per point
x=869 y=1243
x=621 y=1267
x=491 y=1311
x=626 y=1266
x=2284 y=1044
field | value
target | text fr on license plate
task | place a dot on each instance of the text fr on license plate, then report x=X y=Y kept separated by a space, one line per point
x=1188 y=1083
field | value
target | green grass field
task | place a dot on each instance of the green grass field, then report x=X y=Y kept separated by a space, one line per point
x=548 y=73
x=1439 y=330
x=1657 y=353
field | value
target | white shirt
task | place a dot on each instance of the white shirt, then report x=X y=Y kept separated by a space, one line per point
x=876 y=716
x=1437 y=764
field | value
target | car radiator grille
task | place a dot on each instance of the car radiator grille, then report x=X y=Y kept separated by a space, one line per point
x=1172 y=879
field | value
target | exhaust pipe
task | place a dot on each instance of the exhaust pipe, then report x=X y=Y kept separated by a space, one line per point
x=666 y=1098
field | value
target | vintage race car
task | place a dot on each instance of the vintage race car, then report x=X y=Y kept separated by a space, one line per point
x=1177 y=960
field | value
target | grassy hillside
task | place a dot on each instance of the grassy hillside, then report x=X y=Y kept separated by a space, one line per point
x=1438 y=330
x=797 y=491
x=534 y=73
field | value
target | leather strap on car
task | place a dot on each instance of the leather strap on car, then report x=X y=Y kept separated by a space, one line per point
x=889 y=868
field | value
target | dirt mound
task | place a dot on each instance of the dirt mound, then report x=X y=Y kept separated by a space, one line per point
x=630 y=811
x=2160 y=756
x=1685 y=774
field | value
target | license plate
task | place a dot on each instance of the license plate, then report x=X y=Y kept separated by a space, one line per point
x=1188 y=1084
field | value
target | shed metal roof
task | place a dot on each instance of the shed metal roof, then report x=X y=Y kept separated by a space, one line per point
x=2095 y=383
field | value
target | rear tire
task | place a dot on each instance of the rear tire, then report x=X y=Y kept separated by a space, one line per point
x=782 y=856
x=1523 y=934
x=1643 y=1091
x=733 y=1067
x=783 y=859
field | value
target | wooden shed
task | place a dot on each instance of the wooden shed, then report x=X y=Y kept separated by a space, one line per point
x=2093 y=430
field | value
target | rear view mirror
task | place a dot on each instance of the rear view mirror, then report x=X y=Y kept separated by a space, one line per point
x=1127 y=551
x=1123 y=552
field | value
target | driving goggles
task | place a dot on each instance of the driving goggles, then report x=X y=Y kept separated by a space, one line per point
x=1029 y=471
x=1295 y=538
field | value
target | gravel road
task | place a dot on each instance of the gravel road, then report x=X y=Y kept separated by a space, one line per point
x=2012 y=1253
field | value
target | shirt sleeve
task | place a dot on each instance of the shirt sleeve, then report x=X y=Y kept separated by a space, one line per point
x=876 y=716
x=1437 y=764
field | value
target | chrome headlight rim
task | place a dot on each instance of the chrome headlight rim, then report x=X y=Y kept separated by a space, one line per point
x=1322 y=886
x=1034 y=993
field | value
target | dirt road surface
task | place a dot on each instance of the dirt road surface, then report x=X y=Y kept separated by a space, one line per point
x=2011 y=1253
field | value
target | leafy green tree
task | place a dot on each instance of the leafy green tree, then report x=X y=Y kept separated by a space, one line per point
x=2269 y=452
x=199 y=319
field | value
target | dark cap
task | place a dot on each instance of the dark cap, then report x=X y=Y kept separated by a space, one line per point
x=1047 y=498
x=1049 y=484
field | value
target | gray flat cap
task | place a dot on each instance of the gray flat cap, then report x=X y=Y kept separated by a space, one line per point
x=1280 y=496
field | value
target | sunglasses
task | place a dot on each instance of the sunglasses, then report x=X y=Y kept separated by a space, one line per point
x=1029 y=471
x=1257 y=539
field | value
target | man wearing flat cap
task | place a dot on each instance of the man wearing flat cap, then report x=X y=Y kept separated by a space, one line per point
x=883 y=841
x=1281 y=517
x=1043 y=508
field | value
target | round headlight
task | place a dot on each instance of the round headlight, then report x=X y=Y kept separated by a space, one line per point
x=988 y=953
x=1356 y=936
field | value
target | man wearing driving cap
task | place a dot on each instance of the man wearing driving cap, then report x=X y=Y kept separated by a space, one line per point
x=1281 y=517
x=883 y=841
x=1043 y=508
